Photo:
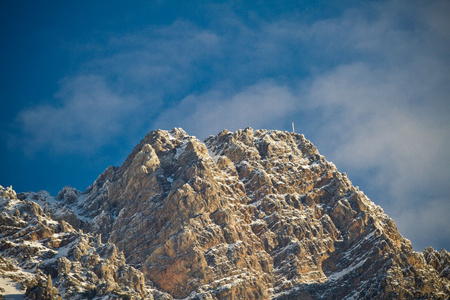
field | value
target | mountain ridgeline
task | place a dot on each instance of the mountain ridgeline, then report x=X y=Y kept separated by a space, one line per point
x=251 y=214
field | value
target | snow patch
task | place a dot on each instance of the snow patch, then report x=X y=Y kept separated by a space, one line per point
x=213 y=155
x=180 y=150
x=12 y=289
x=342 y=273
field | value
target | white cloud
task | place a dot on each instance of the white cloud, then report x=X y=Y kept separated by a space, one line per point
x=88 y=115
x=371 y=122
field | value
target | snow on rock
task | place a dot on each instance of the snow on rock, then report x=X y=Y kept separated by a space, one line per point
x=251 y=214
x=46 y=259
x=10 y=289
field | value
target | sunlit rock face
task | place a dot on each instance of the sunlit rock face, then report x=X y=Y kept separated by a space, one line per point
x=251 y=214
x=50 y=259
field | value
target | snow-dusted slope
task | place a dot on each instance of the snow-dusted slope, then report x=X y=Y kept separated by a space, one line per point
x=246 y=215
x=49 y=259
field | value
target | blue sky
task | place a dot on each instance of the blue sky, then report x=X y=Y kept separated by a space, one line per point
x=367 y=82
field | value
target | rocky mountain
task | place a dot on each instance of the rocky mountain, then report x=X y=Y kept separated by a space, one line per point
x=244 y=215
x=51 y=260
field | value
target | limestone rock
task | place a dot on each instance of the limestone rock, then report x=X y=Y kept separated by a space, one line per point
x=34 y=248
x=251 y=214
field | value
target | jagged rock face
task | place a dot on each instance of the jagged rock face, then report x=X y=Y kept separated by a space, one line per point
x=252 y=215
x=244 y=215
x=34 y=249
x=189 y=227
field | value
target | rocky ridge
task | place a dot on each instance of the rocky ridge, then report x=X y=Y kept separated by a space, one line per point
x=52 y=260
x=244 y=215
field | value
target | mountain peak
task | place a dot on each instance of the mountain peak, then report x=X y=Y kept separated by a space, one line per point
x=250 y=214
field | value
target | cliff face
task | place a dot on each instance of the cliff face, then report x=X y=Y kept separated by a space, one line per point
x=247 y=215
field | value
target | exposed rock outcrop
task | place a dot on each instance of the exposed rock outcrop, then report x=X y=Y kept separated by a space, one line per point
x=244 y=215
x=34 y=248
